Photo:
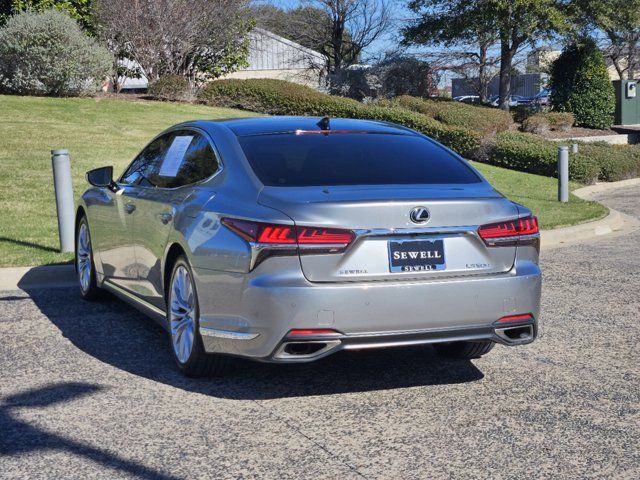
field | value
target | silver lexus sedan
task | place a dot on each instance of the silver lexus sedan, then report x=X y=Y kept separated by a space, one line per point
x=286 y=239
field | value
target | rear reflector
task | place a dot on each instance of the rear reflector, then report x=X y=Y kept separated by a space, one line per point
x=512 y=228
x=516 y=318
x=266 y=233
x=301 y=332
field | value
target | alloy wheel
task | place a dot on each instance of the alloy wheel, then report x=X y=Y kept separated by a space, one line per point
x=182 y=313
x=83 y=258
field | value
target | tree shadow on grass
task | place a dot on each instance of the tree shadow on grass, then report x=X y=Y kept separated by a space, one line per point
x=19 y=437
x=118 y=335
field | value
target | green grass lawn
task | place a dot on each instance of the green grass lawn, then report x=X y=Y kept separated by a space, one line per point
x=540 y=195
x=101 y=132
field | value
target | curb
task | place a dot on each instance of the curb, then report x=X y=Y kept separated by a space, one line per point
x=615 y=222
x=45 y=276
x=588 y=192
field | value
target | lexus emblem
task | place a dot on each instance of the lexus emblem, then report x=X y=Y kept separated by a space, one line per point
x=419 y=215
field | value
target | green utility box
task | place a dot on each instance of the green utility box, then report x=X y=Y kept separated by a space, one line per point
x=627 y=102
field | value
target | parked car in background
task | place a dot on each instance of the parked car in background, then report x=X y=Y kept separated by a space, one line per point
x=467 y=99
x=542 y=98
x=514 y=100
x=286 y=239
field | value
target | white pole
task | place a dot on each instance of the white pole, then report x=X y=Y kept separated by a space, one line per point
x=64 y=198
x=563 y=174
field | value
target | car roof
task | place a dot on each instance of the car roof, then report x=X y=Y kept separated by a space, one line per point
x=282 y=124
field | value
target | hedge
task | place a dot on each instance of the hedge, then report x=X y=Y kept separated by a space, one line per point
x=529 y=153
x=277 y=97
x=616 y=162
x=484 y=120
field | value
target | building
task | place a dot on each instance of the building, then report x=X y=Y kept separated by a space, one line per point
x=273 y=56
x=270 y=56
x=526 y=85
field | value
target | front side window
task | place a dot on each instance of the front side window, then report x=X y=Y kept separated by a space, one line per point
x=352 y=159
x=145 y=167
x=173 y=160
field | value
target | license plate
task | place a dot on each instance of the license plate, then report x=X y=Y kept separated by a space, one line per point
x=416 y=255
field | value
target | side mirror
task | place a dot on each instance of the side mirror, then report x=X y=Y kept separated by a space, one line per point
x=102 y=177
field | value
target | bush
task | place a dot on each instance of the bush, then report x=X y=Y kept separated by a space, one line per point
x=47 y=53
x=174 y=88
x=543 y=122
x=537 y=124
x=580 y=84
x=616 y=162
x=277 y=97
x=484 y=120
x=529 y=153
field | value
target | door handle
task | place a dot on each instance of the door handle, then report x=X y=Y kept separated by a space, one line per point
x=130 y=207
x=165 y=218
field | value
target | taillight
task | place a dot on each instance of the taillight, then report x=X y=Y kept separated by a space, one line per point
x=324 y=236
x=510 y=230
x=267 y=233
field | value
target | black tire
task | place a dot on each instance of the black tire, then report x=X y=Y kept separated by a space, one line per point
x=91 y=291
x=199 y=363
x=463 y=350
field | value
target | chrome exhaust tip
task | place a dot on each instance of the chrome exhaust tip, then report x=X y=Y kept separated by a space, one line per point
x=516 y=335
x=306 y=350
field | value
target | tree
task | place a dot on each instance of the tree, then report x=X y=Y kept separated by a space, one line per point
x=466 y=36
x=580 y=84
x=515 y=24
x=338 y=29
x=80 y=10
x=199 y=39
x=619 y=20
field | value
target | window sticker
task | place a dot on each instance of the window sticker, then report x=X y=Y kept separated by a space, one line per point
x=174 y=156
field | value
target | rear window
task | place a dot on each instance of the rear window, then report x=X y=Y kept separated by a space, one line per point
x=352 y=159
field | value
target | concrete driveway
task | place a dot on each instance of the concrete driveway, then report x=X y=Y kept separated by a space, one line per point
x=89 y=391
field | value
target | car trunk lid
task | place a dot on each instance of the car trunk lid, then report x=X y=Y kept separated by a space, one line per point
x=380 y=218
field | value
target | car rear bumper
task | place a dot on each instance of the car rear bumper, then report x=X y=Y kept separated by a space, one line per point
x=256 y=322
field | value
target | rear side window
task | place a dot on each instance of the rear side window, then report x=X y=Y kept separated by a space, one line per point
x=173 y=160
x=352 y=159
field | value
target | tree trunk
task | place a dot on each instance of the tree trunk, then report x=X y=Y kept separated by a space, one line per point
x=506 y=59
x=482 y=67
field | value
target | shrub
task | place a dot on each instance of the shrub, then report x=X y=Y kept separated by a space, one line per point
x=277 y=97
x=617 y=162
x=174 y=88
x=47 y=53
x=562 y=121
x=543 y=122
x=580 y=84
x=529 y=153
x=521 y=112
x=484 y=120
x=537 y=124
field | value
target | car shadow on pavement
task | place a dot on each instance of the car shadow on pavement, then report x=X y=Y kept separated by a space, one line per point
x=119 y=335
x=21 y=438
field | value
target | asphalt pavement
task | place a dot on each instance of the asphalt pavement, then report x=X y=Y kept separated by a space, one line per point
x=89 y=391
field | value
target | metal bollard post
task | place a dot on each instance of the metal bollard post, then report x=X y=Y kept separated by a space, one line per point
x=64 y=198
x=563 y=174
x=574 y=148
